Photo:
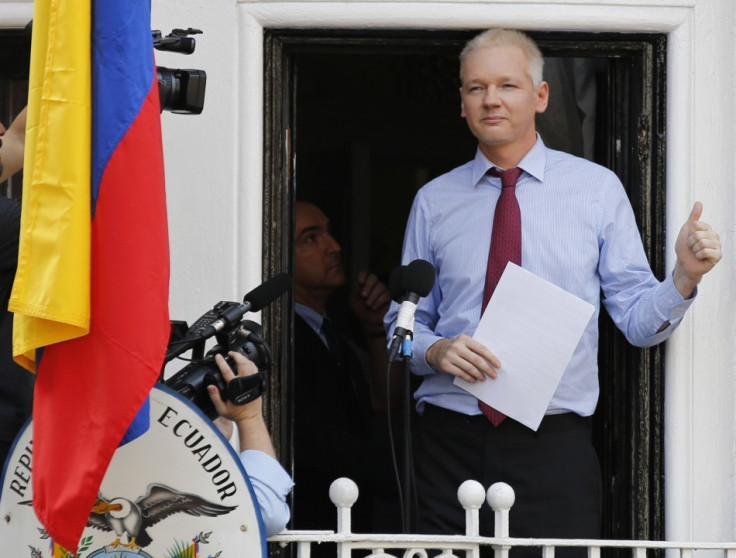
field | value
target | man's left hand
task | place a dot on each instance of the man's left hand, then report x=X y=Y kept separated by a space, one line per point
x=698 y=249
x=369 y=301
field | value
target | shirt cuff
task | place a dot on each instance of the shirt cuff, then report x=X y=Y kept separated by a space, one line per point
x=669 y=304
x=419 y=364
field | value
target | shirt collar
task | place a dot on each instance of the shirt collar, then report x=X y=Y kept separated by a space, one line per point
x=533 y=162
x=309 y=315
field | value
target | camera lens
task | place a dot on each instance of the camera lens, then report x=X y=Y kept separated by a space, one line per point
x=181 y=91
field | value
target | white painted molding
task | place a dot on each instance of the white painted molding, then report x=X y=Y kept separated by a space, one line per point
x=679 y=392
x=250 y=147
x=578 y=16
x=15 y=14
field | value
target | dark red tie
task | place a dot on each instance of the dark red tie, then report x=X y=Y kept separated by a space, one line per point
x=505 y=247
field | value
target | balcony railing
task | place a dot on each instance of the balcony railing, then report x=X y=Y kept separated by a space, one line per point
x=471 y=495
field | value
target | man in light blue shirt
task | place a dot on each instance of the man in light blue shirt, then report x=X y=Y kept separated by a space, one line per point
x=271 y=483
x=578 y=232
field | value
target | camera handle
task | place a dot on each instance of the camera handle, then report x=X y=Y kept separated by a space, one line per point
x=244 y=389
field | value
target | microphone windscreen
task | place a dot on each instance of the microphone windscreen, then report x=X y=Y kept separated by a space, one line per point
x=264 y=294
x=419 y=277
x=396 y=283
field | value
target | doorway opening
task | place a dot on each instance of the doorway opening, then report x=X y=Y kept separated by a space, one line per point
x=357 y=121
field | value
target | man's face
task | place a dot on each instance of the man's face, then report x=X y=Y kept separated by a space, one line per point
x=499 y=100
x=318 y=268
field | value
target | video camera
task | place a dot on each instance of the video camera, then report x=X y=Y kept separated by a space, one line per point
x=180 y=91
x=224 y=322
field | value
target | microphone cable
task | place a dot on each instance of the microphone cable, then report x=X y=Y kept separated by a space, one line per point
x=407 y=495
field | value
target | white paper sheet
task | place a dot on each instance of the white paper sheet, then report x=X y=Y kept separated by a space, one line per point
x=533 y=327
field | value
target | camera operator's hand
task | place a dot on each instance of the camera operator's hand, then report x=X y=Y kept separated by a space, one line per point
x=228 y=409
x=248 y=418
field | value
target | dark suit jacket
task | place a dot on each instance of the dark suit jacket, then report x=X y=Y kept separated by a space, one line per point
x=334 y=434
x=16 y=383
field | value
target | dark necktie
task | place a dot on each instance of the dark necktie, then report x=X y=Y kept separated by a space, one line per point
x=505 y=247
x=348 y=368
x=333 y=342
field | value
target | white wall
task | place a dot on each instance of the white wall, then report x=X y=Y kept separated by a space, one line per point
x=699 y=406
x=214 y=181
x=209 y=230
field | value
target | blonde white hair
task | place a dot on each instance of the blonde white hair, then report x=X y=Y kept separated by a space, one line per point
x=508 y=38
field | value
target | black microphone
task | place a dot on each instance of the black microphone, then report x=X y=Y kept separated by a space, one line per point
x=415 y=281
x=396 y=283
x=255 y=300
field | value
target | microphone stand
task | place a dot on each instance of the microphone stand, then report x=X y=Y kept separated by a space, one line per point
x=406 y=353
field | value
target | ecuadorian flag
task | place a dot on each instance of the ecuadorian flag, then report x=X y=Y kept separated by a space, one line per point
x=91 y=290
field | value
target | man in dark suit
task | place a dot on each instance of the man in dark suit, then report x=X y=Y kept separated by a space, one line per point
x=16 y=383
x=340 y=385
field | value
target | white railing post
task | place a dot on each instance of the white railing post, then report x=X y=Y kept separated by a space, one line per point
x=343 y=493
x=501 y=497
x=471 y=494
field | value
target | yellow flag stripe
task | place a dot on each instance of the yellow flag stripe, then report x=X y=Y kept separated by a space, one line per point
x=50 y=295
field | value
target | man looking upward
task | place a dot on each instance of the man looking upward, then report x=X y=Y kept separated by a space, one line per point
x=339 y=387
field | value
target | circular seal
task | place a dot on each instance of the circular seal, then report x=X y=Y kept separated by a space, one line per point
x=147 y=506
x=115 y=552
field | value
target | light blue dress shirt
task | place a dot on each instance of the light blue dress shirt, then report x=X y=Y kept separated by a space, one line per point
x=578 y=232
x=271 y=485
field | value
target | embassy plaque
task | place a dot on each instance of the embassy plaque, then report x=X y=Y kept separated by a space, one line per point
x=177 y=491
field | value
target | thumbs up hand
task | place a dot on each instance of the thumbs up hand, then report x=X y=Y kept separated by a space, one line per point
x=698 y=249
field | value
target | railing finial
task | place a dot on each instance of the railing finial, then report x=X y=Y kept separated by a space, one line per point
x=501 y=496
x=343 y=493
x=471 y=494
